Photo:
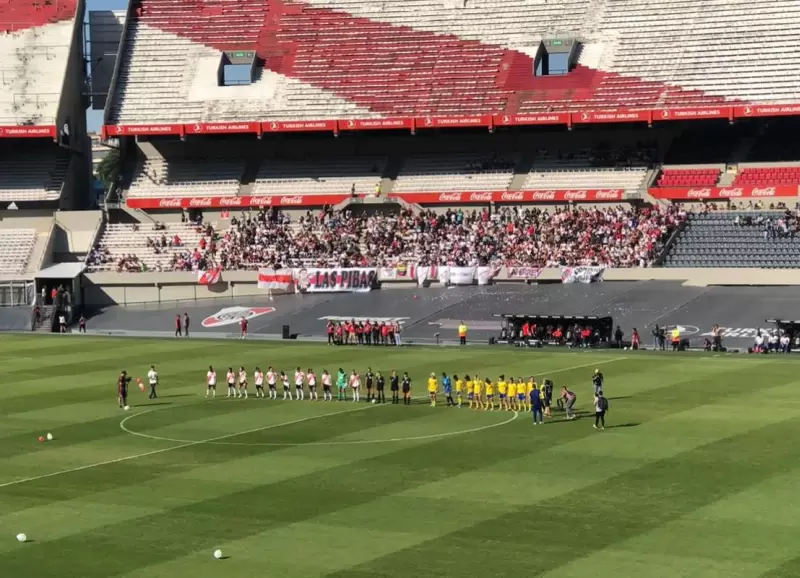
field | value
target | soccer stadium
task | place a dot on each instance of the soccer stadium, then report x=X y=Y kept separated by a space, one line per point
x=288 y=288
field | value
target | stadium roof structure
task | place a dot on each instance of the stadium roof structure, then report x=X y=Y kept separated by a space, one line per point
x=338 y=65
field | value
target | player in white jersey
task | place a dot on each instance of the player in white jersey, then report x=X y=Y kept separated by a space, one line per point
x=299 y=376
x=231 y=381
x=272 y=377
x=242 y=382
x=311 y=380
x=211 y=382
x=287 y=392
x=258 y=379
x=327 y=381
x=355 y=385
x=152 y=379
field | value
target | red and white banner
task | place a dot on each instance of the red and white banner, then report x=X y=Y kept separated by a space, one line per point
x=613 y=116
x=144 y=130
x=285 y=201
x=485 y=274
x=343 y=280
x=766 y=110
x=543 y=196
x=376 y=124
x=281 y=280
x=453 y=121
x=581 y=274
x=223 y=128
x=668 y=114
x=531 y=119
x=209 y=276
x=48 y=131
x=299 y=126
x=515 y=272
x=702 y=193
x=400 y=272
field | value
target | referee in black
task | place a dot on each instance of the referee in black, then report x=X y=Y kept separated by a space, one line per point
x=394 y=384
x=380 y=381
x=370 y=379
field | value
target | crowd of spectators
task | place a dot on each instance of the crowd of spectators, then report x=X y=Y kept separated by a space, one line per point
x=621 y=236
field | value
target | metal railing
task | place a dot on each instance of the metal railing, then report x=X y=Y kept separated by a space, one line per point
x=17 y=293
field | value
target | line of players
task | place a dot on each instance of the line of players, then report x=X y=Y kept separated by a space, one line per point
x=237 y=383
x=512 y=394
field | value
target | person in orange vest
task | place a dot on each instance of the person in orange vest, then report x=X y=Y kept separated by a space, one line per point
x=462 y=334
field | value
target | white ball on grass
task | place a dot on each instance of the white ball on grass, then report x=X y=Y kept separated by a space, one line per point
x=49 y=437
x=127 y=407
x=22 y=538
x=374 y=401
x=217 y=554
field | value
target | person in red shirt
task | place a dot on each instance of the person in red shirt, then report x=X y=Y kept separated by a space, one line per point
x=178 y=326
x=329 y=330
x=368 y=333
x=243 y=327
x=635 y=339
x=360 y=333
x=384 y=333
x=339 y=331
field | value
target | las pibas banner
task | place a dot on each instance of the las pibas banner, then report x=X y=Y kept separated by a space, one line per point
x=343 y=280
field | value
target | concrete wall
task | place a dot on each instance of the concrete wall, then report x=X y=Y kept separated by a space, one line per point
x=102 y=289
x=75 y=232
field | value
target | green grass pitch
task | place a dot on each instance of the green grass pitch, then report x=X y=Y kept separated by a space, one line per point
x=700 y=476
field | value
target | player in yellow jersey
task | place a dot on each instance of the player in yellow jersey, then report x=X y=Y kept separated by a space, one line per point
x=489 y=388
x=470 y=391
x=459 y=389
x=502 y=387
x=511 y=400
x=433 y=387
x=522 y=394
x=477 y=388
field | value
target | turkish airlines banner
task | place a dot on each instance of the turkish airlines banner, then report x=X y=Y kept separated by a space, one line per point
x=281 y=280
x=343 y=280
x=702 y=193
x=766 y=110
x=453 y=121
x=229 y=202
x=144 y=130
x=614 y=116
x=223 y=128
x=299 y=126
x=531 y=119
x=28 y=131
x=581 y=274
x=376 y=124
x=514 y=272
x=555 y=196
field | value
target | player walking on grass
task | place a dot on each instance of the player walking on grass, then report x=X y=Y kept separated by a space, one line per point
x=287 y=391
x=242 y=382
x=355 y=385
x=152 y=379
x=536 y=406
x=299 y=376
x=570 y=399
x=122 y=389
x=459 y=388
x=231 y=381
x=341 y=385
x=547 y=388
x=380 y=382
x=394 y=385
x=326 y=385
x=311 y=380
x=406 y=389
x=433 y=387
x=272 y=378
x=600 y=409
x=211 y=382
x=258 y=379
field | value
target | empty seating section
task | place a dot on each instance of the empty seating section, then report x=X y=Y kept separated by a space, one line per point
x=16 y=246
x=340 y=58
x=459 y=172
x=541 y=178
x=768 y=176
x=319 y=177
x=119 y=242
x=187 y=177
x=35 y=41
x=32 y=174
x=705 y=177
x=718 y=239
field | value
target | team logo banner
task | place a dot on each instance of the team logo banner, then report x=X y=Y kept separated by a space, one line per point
x=343 y=280
x=209 y=276
x=281 y=280
x=581 y=274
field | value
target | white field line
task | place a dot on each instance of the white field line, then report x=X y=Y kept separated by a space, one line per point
x=226 y=436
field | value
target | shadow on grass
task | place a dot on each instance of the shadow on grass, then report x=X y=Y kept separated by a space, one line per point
x=156 y=403
x=628 y=424
x=620 y=397
x=179 y=395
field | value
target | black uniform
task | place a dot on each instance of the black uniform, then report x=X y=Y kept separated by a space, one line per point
x=406 y=389
x=394 y=385
x=597 y=383
x=381 y=382
x=122 y=389
x=370 y=379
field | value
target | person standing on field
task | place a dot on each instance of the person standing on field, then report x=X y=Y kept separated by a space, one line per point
x=597 y=381
x=570 y=399
x=462 y=333
x=152 y=378
x=536 y=405
x=600 y=409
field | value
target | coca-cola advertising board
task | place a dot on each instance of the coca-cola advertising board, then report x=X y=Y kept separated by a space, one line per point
x=543 y=196
x=721 y=193
x=235 y=202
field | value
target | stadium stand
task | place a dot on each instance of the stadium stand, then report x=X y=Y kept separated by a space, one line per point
x=756 y=238
x=455 y=172
x=16 y=247
x=182 y=177
x=327 y=59
x=32 y=172
x=35 y=40
x=627 y=179
x=359 y=175
x=768 y=176
x=684 y=177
